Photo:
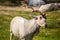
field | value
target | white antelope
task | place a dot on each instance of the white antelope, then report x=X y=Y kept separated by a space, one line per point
x=25 y=29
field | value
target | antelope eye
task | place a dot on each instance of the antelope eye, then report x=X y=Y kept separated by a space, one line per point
x=40 y=17
x=36 y=18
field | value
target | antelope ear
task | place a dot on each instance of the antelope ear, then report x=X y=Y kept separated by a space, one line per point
x=44 y=15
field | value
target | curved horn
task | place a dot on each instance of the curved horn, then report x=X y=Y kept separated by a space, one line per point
x=31 y=8
x=41 y=13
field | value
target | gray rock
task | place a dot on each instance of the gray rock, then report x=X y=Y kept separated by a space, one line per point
x=48 y=7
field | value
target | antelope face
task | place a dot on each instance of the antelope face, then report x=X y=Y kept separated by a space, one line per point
x=41 y=20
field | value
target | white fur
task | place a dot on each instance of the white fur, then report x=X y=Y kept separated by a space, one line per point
x=21 y=27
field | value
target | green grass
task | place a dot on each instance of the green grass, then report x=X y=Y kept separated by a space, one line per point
x=50 y=33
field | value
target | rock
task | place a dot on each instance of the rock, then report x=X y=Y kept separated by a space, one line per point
x=48 y=7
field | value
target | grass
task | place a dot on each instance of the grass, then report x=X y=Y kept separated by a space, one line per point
x=50 y=33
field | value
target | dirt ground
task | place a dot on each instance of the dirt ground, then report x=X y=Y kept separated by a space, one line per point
x=22 y=8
